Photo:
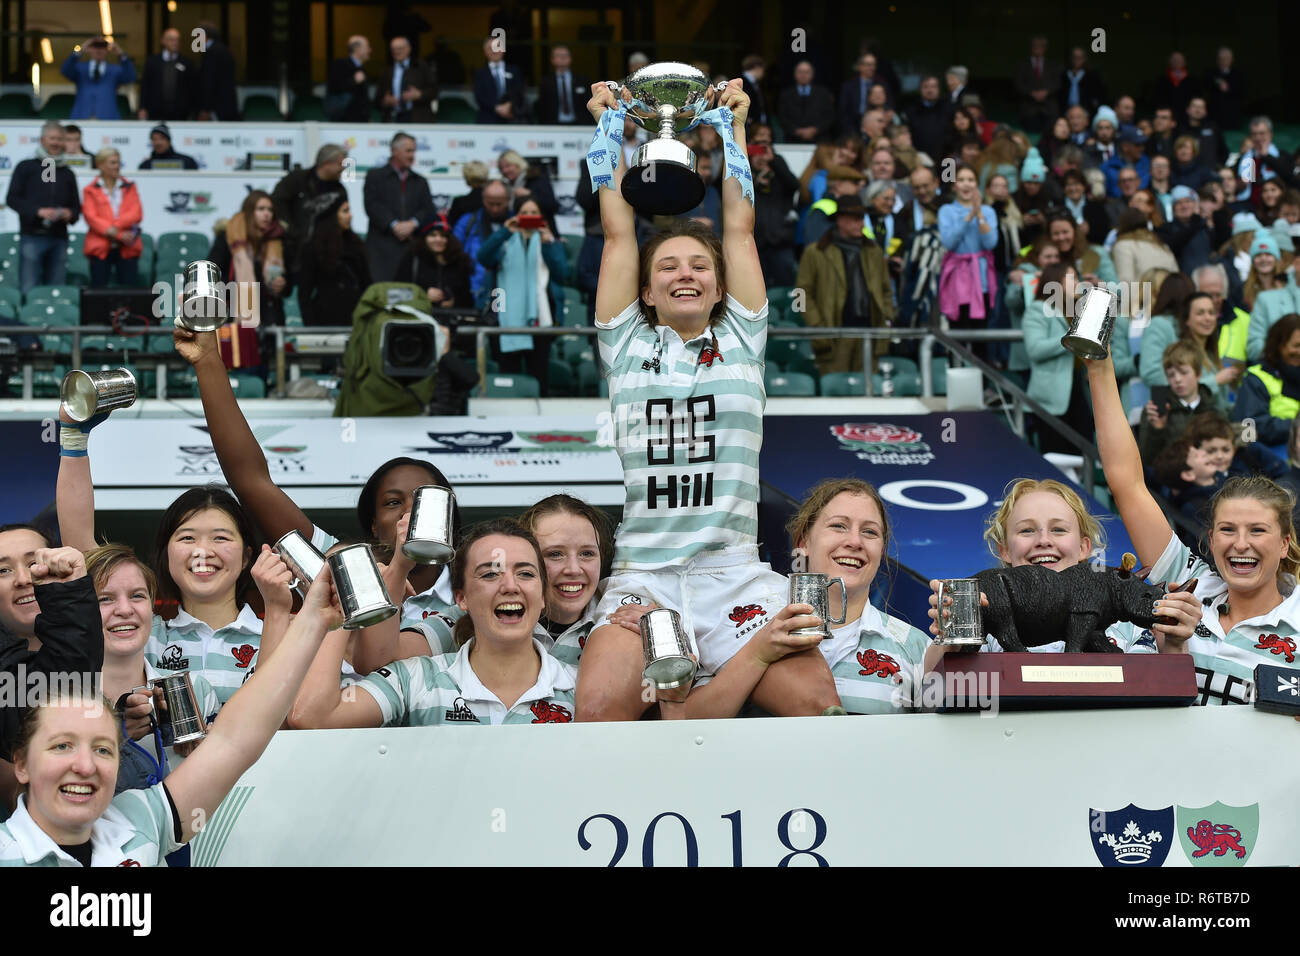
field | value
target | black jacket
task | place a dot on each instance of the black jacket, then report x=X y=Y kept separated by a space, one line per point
x=1092 y=91
x=71 y=632
x=387 y=201
x=28 y=192
x=548 y=100
x=217 y=82
x=181 y=105
x=427 y=272
x=167 y=160
x=1192 y=242
x=929 y=126
x=342 y=79
x=455 y=379
x=469 y=202
x=1214 y=148
x=773 y=201
x=485 y=95
x=297 y=199
x=328 y=296
x=420 y=76
x=816 y=109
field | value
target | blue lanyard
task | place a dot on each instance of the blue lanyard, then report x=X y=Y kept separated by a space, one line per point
x=157 y=775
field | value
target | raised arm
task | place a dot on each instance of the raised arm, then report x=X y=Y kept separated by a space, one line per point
x=322 y=704
x=241 y=458
x=617 y=287
x=253 y=715
x=1142 y=517
x=74 y=493
x=739 y=251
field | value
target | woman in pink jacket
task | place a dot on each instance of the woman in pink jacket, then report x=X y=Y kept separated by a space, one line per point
x=111 y=205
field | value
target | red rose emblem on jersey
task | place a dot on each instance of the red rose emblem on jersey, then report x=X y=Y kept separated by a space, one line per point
x=747 y=613
x=873 y=432
x=243 y=654
x=545 y=713
x=1281 y=646
x=876 y=665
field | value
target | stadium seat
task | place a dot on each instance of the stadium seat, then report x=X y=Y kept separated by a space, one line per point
x=16 y=106
x=55 y=294
x=9 y=243
x=160 y=343
x=575 y=310
x=177 y=245
x=307 y=107
x=453 y=109
x=248 y=386
x=906 y=383
x=124 y=107
x=901 y=363
x=512 y=386
x=45 y=383
x=844 y=384
x=793 y=384
x=261 y=107
x=58 y=106
x=182 y=383
x=571 y=348
x=560 y=379
x=49 y=313
x=11 y=297
x=939 y=375
x=589 y=379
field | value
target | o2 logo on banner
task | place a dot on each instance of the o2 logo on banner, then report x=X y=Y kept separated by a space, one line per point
x=783 y=834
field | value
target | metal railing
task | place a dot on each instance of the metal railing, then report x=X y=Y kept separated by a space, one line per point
x=287 y=365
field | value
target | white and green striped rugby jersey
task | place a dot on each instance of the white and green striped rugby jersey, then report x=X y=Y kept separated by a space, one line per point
x=878 y=676
x=688 y=424
x=422 y=691
x=1225 y=663
x=137 y=829
x=224 y=657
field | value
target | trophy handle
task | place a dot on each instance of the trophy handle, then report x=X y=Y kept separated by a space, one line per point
x=844 y=600
x=938 y=617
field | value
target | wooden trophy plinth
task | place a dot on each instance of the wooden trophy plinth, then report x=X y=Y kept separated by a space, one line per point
x=1065 y=681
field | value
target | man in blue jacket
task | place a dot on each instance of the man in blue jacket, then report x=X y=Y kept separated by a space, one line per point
x=97 y=80
x=43 y=191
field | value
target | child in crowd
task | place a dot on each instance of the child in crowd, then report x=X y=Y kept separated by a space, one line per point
x=1190 y=475
x=1173 y=405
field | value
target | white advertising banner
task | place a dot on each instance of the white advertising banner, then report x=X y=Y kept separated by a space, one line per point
x=1152 y=787
x=324 y=462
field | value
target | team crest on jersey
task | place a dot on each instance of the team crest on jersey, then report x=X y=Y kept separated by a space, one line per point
x=129 y=863
x=631 y=599
x=742 y=615
x=1145 y=639
x=883 y=444
x=440 y=616
x=545 y=713
x=460 y=711
x=172 y=660
x=708 y=355
x=1280 y=646
x=875 y=664
x=243 y=654
x=1131 y=836
x=1218 y=835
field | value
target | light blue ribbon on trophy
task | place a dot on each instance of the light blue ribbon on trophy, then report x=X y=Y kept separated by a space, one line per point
x=606 y=148
x=737 y=163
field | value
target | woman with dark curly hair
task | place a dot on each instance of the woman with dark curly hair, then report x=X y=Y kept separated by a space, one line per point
x=436 y=262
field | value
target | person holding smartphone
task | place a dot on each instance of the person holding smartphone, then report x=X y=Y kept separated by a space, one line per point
x=530 y=265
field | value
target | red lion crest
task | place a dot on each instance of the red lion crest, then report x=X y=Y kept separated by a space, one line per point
x=243 y=654
x=747 y=613
x=876 y=665
x=544 y=713
x=708 y=354
x=1218 y=837
x=1278 y=645
x=128 y=863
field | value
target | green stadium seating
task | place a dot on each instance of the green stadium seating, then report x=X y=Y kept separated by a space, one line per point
x=939 y=375
x=453 y=109
x=187 y=245
x=248 y=386
x=792 y=384
x=55 y=294
x=261 y=107
x=58 y=106
x=560 y=379
x=512 y=386
x=844 y=384
x=16 y=106
x=906 y=383
x=307 y=107
x=589 y=379
x=49 y=313
x=11 y=297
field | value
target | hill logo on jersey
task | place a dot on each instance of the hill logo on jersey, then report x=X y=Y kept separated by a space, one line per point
x=883 y=444
x=1218 y=835
x=1131 y=836
x=460 y=712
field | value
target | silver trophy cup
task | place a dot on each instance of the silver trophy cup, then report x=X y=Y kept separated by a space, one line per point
x=668 y=662
x=361 y=590
x=183 y=711
x=960 y=625
x=203 y=302
x=815 y=589
x=86 y=394
x=428 y=537
x=666 y=98
x=303 y=559
x=1091 y=327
